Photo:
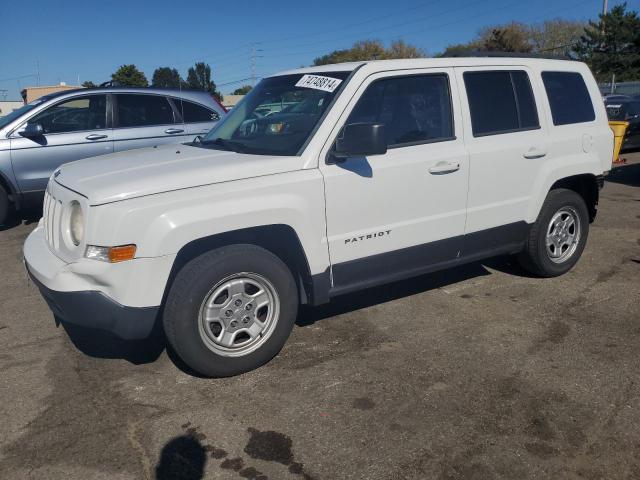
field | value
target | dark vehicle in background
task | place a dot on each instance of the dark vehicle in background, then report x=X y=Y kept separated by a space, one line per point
x=75 y=124
x=626 y=109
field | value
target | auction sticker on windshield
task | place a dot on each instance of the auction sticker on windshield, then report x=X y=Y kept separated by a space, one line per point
x=319 y=82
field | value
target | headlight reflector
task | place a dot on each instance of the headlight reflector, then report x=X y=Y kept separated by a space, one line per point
x=76 y=223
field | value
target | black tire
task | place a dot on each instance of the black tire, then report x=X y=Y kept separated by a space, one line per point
x=192 y=286
x=535 y=257
x=4 y=206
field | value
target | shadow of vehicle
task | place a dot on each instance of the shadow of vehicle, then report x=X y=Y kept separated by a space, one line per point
x=405 y=288
x=182 y=458
x=625 y=175
x=103 y=344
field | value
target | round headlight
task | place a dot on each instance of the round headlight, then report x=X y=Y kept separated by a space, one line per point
x=76 y=223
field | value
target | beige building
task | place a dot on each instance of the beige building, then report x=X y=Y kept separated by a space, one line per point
x=29 y=94
x=230 y=101
x=8 y=106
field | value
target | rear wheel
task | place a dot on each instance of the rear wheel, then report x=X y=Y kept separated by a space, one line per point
x=4 y=206
x=230 y=310
x=558 y=237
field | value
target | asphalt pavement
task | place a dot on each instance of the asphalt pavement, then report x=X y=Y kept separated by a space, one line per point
x=479 y=372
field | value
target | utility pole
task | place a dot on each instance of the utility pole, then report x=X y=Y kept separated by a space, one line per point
x=38 y=73
x=605 y=6
x=253 y=57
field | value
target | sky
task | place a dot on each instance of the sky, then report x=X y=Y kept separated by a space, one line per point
x=89 y=40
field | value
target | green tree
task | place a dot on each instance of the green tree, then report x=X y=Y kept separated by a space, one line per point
x=88 y=84
x=242 y=90
x=199 y=78
x=166 y=77
x=129 y=76
x=611 y=46
x=370 y=50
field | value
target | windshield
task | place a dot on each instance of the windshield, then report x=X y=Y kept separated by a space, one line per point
x=277 y=116
x=10 y=117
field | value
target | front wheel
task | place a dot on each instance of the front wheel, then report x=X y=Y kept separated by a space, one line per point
x=230 y=310
x=558 y=237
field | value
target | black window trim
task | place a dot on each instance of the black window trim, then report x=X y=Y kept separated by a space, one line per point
x=515 y=96
x=412 y=75
x=108 y=119
x=116 y=120
x=549 y=100
x=178 y=111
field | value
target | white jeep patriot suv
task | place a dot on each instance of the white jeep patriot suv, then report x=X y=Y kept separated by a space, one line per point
x=320 y=182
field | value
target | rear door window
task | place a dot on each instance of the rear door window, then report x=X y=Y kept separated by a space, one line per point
x=143 y=110
x=500 y=102
x=568 y=97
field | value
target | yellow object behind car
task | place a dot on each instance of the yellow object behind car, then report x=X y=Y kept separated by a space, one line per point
x=619 y=128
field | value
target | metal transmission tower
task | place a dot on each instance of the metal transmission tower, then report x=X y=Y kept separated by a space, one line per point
x=254 y=55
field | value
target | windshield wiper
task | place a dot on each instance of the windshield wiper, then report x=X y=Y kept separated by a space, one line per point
x=230 y=145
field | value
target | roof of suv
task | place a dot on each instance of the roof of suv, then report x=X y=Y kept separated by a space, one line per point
x=195 y=95
x=432 y=63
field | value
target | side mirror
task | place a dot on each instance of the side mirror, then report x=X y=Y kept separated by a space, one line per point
x=360 y=140
x=32 y=130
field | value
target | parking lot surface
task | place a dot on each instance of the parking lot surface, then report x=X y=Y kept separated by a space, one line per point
x=475 y=373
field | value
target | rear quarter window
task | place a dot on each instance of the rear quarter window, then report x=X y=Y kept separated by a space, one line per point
x=569 y=98
x=193 y=113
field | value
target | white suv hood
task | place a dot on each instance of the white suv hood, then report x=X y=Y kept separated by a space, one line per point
x=136 y=173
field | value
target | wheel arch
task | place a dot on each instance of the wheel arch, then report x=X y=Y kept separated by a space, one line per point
x=11 y=191
x=587 y=185
x=279 y=239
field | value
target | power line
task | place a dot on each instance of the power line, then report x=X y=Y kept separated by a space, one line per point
x=19 y=77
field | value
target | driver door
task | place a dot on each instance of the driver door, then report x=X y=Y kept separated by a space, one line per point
x=399 y=214
x=73 y=129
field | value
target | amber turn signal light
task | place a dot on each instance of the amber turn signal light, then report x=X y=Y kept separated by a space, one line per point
x=122 y=253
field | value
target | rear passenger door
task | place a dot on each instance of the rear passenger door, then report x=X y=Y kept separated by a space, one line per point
x=507 y=145
x=198 y=119
x=144 y=120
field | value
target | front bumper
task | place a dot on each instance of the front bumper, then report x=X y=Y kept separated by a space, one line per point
x=122 y=298
x=96 y=310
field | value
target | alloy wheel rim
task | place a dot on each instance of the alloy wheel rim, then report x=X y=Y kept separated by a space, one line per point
x=238 y=314
x=563 y=235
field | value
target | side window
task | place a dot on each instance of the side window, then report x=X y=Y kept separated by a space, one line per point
x=75 y=115
x=568 y=97
x=415 y=109
x=192 y=112
x=143 y=110
x=500 y=102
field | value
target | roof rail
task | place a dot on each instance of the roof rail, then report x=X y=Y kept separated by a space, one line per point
x=488 y=53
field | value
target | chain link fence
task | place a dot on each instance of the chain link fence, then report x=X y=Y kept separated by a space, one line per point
x=620 y=88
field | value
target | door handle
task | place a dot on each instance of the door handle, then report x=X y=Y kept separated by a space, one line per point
x=441 y=168
x=535 y=152
x=95 y=136
x=173 y=130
